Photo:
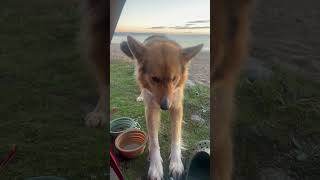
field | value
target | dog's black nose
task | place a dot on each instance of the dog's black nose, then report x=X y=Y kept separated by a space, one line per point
x=164 y=104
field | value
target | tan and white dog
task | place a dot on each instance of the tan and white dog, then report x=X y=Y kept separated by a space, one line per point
x=161 y=71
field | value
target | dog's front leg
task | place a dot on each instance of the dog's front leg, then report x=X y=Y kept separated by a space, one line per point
x=153 y=121
x=140 y=97
x=176 y=166
x=98 y=117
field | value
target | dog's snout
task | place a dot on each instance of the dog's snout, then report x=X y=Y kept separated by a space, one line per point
x=164 y=104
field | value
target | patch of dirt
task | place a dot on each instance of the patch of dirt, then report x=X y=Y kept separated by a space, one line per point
x=287 y=33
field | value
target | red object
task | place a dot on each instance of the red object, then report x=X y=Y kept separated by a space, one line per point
x=4 y=162
x=115 y=165
x=113 y=160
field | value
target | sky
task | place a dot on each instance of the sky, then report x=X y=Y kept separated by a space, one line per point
x=165 y=16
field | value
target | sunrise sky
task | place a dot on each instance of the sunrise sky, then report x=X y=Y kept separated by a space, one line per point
x=165 y=16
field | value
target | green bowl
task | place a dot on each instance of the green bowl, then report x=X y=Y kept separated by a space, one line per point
x=123 y=124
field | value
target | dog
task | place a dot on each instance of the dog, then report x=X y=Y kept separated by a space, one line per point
x=230 y=39
x=161 y=72
x=93 y=35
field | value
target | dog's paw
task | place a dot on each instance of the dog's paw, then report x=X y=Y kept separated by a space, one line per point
x=139 y=99
x=155 y=170
x=94 y=119
x=176 y=168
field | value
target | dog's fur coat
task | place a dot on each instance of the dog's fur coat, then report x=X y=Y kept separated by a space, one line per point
x=161 y=71
x=230 y=36
x=94 y=47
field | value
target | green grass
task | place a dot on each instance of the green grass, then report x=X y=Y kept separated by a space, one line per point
x=278 y=126
x=124 y=91
x=46 y=91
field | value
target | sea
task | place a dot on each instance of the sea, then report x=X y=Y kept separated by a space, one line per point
x=185 y=40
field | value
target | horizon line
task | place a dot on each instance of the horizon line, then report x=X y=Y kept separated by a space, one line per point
x=178 y=33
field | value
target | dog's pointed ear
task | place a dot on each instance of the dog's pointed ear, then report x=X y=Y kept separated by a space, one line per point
x=190 y=52
x=125 y=49
x=136 y=48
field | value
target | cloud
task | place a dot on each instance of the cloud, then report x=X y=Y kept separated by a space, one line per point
x=158 y=27
x=188 y=27
x=199 y=21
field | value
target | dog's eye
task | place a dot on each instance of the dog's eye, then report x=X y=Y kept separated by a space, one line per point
x=174 y=78
x=155 y=79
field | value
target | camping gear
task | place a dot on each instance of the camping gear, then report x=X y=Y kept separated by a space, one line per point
x=131 y=143
x=199 y=164
x=115 y=167
x=120 y=125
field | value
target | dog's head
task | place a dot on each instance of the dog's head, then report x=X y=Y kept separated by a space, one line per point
x=162 y=67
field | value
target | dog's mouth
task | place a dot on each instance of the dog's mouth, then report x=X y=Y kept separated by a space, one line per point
x=164 y=103
x=164 y=108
